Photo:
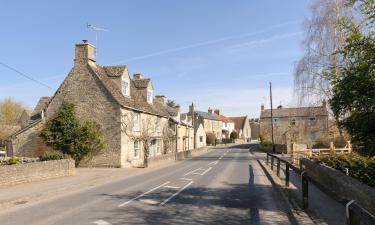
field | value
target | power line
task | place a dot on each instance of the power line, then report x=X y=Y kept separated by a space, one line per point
x=25 y=75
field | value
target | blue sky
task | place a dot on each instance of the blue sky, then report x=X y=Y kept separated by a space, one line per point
x=217 y=53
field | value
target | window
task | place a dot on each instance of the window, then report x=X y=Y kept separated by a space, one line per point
x=149 y=96
x=151 y=149
x=157 y=126
x=158 y=147
x=276 y=122
x=312 y=121
x=136 y=149
x=201 y=138
x=136 y=121
x=293 y=122
x=125 y=87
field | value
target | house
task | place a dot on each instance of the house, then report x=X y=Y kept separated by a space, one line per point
x=122 y=106
x=242 y=127
x=227 y=124
x=185 y=133
x=255 y=127
x=208 y=121
x=307 y=125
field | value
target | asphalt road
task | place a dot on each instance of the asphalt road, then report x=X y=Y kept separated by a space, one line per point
x=223 y=186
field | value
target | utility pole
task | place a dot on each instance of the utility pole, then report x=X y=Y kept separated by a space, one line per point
x=273 y=143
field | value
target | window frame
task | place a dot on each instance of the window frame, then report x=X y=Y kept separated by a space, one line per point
x=125 y=89
x=136 y=121
x=136 y=151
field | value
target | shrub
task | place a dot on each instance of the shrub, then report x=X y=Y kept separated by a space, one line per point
x=360 y=167
x=210 y=138
x=53 y=155
x=234 y=135
x=13 y=160
x=266 y=143
x=66 y=134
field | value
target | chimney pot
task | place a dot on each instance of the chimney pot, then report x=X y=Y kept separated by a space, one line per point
x=138 y=76
x=209 y=110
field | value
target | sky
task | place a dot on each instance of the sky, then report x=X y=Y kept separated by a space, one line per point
x=215 y=53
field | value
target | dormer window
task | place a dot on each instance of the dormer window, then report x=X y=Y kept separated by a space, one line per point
x=149 y=96
x=125 y=88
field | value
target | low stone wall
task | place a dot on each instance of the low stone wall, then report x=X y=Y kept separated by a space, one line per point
x=175 y=156
x=29 y=172
x=341 y=185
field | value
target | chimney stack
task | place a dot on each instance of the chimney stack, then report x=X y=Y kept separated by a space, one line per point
x=138 y=76
x=84 y=53
x=209 y=110
x=217 y=111
x=161 y=99
x=191 y=108
x=261 y=107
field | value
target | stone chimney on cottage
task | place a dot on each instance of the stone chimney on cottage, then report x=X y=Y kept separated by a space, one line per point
x=324 y=103
x=261 y=107
x=161 y=99
x=217 y=111
x=209 y=110
x=191 y=108
x=138 y=76
x=84 y=53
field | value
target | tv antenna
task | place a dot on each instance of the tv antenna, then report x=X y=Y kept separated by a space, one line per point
x=96 y=30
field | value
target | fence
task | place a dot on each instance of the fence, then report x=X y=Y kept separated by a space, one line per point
x=300 y=152
x=355 y=214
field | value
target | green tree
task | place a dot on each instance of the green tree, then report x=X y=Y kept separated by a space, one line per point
x=65 y=133
x=172 y=103
x=234 y=135
x=353 y=99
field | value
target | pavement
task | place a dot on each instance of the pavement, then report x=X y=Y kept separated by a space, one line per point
x=221 y=186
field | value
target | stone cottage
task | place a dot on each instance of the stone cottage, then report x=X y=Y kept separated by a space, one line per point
x=227 y=124
x=242 y=127
x=307 y=125
x=209 y=122
x=123 y=106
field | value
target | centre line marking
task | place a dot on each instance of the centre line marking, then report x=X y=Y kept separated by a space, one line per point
x=149 y=201
x=183 y=178
x=175 y=194
x=213 y=163
x=206 y=171
x=172 y=187
x=200 y=168
x=139 y=196
x=101 y=222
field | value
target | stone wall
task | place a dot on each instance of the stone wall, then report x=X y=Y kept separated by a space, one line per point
x=170 y=157
x=28 y=172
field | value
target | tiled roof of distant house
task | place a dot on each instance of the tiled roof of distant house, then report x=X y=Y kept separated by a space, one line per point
x=223 y=118
x=206 y=115
x=239 y=122
x=42 y=103
x=295 y=112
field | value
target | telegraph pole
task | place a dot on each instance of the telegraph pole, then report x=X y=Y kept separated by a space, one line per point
x=273 y=143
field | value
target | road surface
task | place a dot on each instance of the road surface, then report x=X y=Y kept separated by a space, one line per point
x=222 y=186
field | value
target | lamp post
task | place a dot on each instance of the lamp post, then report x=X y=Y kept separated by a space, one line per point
x=273 y=143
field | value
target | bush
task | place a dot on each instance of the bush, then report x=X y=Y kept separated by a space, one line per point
x=360 y=168
x=53 y=155
x=210 y=138
x=13 y=160
x=234 y=135
x=266 y=143
x=66 y=134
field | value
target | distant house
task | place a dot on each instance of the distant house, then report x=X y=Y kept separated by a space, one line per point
x=209 y=122
x=122 y=106
x=227 y=124
x=255 y=129
x=242 y=127
x=308 y=125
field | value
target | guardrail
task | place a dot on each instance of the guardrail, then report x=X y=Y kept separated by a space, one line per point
x=355 y=215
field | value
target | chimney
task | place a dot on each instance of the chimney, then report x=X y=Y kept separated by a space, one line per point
x=209 y=110
x=261 y=107
x=191 y=108
x=138 y=76
x=217 y=111
x=84 y=53
x=324 y=104
x=178 y=108
x=161 y=99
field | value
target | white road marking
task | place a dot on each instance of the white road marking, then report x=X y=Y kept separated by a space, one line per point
x=101 y=222
x=172 y=187
x=206 y=171
x=213 y=163
x=221 y=157
x=139 y=196
x=193 y=171
x=149 y=201
x=183 y=178
x=175 y=194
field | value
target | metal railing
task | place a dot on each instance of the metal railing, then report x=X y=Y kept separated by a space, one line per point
x=355 y=215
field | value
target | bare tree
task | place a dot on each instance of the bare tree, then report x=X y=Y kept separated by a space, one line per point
x=148 y=129
x=320 y=62
x=10 y=113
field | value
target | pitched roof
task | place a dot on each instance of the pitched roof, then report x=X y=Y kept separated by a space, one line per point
x=223 y=118
x=239 y=122
x=42 y=103
x=137 y=100
x=206 y=115
x=295 y=112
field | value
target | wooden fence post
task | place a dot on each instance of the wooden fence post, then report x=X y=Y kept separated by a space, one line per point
x=267 y=158
x=271 y=162
x=305 y=191
x=278 y=168
x=287 y=174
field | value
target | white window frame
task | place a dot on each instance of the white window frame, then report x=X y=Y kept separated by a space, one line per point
x=136 y=121
x=137 y=150
x=158 y=147
x=151 y=149
x=125 y=87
